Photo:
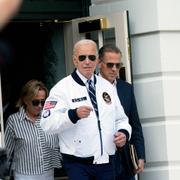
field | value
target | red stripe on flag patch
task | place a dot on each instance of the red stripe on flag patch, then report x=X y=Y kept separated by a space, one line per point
x=50 y=104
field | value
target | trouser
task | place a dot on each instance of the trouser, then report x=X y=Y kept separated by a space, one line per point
x=122 y=172
x=88 y=171
x=125 y=178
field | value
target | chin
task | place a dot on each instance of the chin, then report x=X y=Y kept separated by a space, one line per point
x=111 y=79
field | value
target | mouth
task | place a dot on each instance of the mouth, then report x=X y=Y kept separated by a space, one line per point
x=112 y=75
x=88 y=68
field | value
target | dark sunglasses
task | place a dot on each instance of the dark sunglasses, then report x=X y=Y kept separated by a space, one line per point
x=36 y=102
x=111 y=65
x=90 y=57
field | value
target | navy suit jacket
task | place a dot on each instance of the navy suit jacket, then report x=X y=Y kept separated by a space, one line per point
x=127 y=98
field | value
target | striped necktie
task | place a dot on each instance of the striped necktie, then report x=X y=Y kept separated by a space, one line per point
x=92 y=95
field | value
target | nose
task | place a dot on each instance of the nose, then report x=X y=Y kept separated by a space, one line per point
x=40 y=105
x=114 y=67
x=87 y=60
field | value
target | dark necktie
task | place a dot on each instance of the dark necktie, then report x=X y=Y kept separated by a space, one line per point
x=92 y=95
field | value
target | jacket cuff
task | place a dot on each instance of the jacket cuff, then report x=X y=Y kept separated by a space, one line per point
x=73 y=116
x=126 y=134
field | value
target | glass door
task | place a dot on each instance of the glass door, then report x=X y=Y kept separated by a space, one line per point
x=111 y=28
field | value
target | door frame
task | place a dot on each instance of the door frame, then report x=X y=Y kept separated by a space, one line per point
x=118 y=21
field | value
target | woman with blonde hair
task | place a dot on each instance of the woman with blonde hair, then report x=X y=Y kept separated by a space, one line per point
x=34 y=153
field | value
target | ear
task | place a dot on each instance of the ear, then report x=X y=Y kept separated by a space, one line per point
x=99 y=63
x=75 y=61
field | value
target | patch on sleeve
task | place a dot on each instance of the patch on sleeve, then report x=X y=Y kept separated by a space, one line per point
x=49 y=104
x=46 y=113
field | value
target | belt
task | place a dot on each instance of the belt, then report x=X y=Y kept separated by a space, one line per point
x=71 y=158
x=84 y=160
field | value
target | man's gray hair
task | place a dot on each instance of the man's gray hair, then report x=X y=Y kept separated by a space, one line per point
x=83 y=42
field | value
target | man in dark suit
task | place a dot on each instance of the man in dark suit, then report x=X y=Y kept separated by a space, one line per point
x=110 y=63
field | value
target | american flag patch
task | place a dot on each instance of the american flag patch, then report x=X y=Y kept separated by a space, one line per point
x=50 y=104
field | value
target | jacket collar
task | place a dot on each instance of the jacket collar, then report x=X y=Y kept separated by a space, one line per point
x=78 y=79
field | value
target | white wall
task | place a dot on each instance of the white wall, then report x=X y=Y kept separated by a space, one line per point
x=155 y=43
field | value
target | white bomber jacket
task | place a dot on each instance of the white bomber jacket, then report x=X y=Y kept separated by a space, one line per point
x=87 y=137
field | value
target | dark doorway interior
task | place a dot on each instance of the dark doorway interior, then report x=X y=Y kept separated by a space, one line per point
x=24 y=47
x=30 y=50
x=23 y=55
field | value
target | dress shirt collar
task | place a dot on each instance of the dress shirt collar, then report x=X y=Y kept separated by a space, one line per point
x=84 y=79
x=114 y=83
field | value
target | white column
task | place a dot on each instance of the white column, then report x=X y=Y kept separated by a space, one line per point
x=155 y=42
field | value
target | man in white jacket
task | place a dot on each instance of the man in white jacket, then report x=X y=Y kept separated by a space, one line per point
x=88 y=135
